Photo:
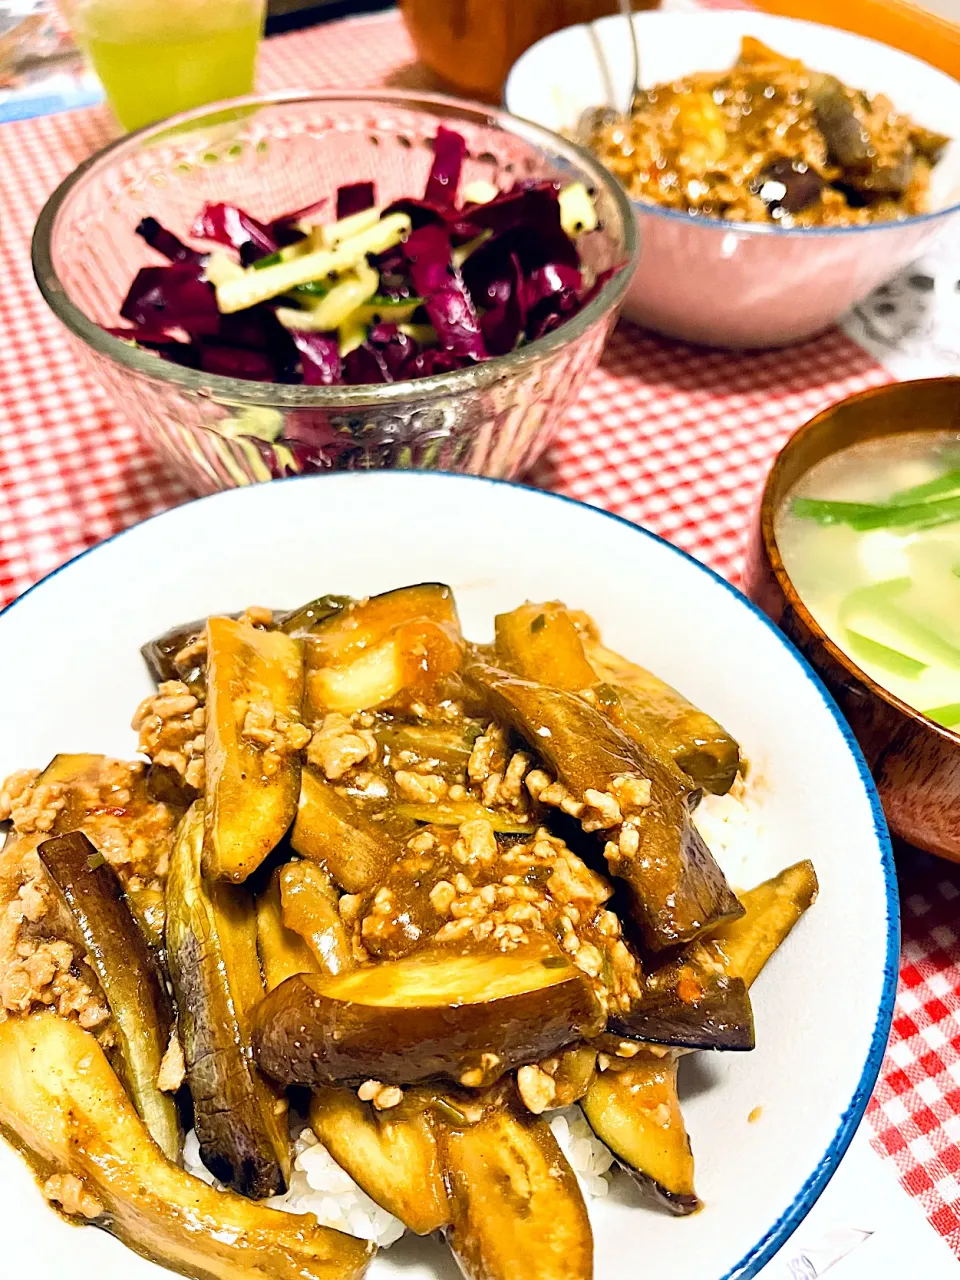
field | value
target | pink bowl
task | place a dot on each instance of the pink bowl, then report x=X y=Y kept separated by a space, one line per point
x=732 y=284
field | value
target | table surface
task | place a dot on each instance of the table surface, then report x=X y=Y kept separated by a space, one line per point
x=674 y=438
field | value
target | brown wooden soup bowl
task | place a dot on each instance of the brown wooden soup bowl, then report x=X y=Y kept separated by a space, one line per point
x=915 y=762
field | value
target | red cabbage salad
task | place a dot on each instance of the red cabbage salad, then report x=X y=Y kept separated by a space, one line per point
x=368 y=294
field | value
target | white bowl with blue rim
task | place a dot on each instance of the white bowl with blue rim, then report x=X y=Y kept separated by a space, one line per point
x=738 y=284
x=72 y=673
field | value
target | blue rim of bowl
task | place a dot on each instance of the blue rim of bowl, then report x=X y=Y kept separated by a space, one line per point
x=649 y=208
x=242 y=391
x=777 y=1235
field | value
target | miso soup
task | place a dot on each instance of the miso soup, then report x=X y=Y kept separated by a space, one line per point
x=870 y=537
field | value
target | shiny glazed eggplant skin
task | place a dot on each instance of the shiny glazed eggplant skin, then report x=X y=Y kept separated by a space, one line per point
x=159 y=655
x=214 y=966
x=542 y=642
x=636 y=1112
x=66 y=1110
x=375 y=649
x=690 y=1004
x=331 y=830
x=129 y=975
x=75 y=775
x=516 y=1207
x=432 y=1015
x=771 y=910
x=698 y=745
x=309 y=617
x=676 y=890
x=391 y=1154
x=248 y=806
x=308 y=905
x=623 y=1107
x=283 y=953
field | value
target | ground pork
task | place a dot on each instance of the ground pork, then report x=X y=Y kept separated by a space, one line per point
x=171 y=724
x=338 y=746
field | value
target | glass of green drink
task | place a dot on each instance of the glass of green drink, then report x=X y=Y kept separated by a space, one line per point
x=159 y=57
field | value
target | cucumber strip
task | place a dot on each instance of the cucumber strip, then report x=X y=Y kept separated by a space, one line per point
x=462 y=252
x=329 y=235
x=299 y=249
x=270 y=260
x=337 y=306
x=388 y=311
x=479 y=192
x=425 y=334
x=948 y=483
x=898 y=664
x=312 y=290
x=220 y=267
x=948 y=715
x=578 y=213
x=385 y=304
x=260 y=286
x=353 y=332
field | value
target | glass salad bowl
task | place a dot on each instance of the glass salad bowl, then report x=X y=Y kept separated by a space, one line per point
x=276 y=152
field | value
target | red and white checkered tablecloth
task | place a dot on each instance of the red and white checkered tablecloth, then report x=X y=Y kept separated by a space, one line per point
x=672 y=437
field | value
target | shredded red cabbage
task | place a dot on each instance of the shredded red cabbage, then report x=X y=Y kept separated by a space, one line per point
x=174 y=297
x=354 y=198
x=431 y=361
x=165 y=242
x=449 y=150
x=226 y=224
x=320 y=358
x=445 y=298
x=236 y=362
x=427 y=252
x=520 y=278
x=502 y=326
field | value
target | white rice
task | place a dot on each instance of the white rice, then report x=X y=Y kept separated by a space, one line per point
x=590 y=1160
x=732 y=827
x=319 y=1186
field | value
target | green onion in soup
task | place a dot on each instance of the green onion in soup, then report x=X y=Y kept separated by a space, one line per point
x=870 y=537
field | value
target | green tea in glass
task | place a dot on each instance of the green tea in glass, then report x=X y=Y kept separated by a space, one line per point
x=158 y=57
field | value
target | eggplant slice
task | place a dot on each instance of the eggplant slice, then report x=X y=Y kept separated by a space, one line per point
x=676 y=890
x=373 y=650
x=771 y=910
x=308 y=904
x=283 y=953
x=636 y=1113
x=634 y=1108
x=391 y=1154
x=516 y=1206
x=331 y=830
x=213 y=961
x=690 y=1003
x=129 y=974
x=68 y=1113
x=251 y=788
x=434 y=1014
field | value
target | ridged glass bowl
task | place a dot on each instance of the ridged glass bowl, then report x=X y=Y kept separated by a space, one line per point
x=272 y=153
